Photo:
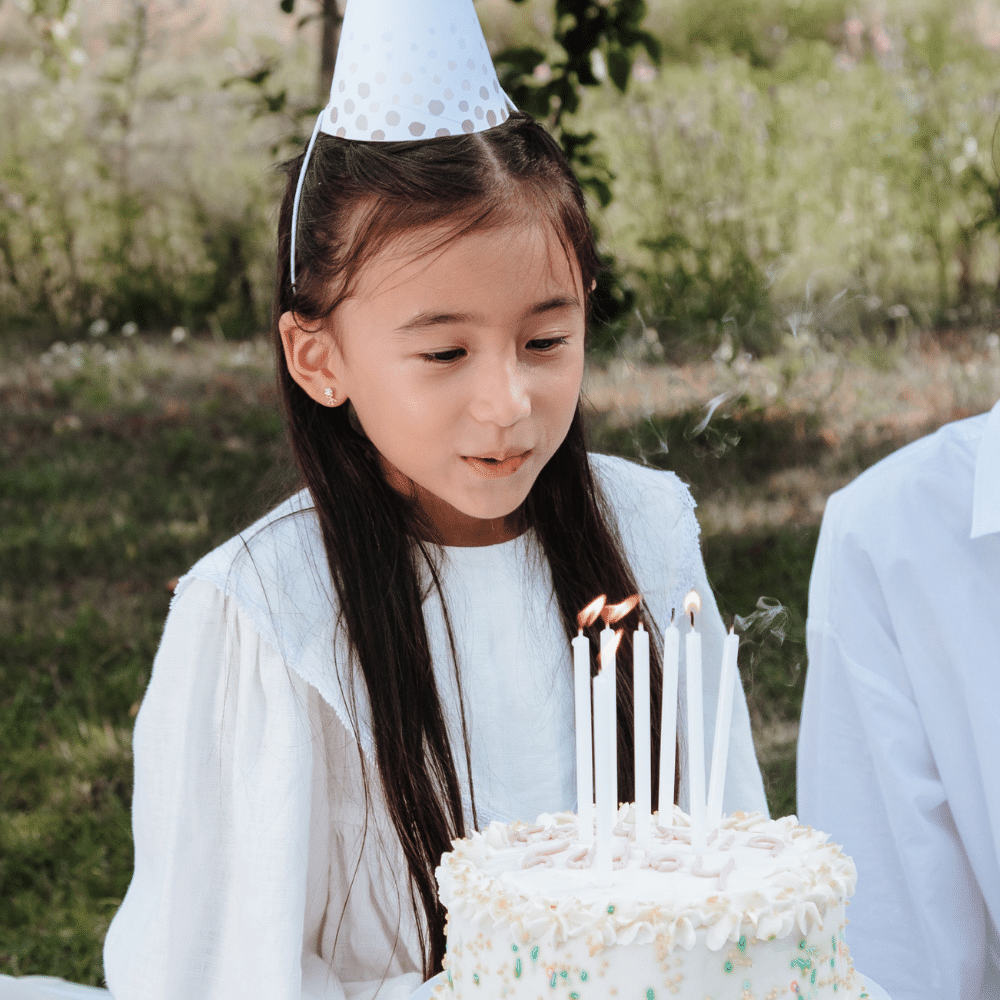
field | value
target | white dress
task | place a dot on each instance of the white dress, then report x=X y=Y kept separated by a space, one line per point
x=899 y=746
x=259 y=870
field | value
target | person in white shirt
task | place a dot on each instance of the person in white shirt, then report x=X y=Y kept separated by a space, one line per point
x=899 y=745
x=384 y=661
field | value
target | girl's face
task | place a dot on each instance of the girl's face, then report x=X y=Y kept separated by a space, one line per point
x=464 y=367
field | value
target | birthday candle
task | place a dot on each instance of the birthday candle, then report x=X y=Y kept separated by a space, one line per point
x=604 y=783
x=609 y=650
x=584 y=756
x=668 y=722
x=723 y=723
x=695 y=725
x=584 y=750
x=643 y=781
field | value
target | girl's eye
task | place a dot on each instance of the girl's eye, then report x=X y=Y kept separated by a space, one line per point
x=546 y=344
x=443 y=357
x=539 y=345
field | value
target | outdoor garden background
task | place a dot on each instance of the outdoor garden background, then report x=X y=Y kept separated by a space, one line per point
x=800 y=206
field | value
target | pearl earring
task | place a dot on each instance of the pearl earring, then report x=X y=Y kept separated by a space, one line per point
x=330 y=398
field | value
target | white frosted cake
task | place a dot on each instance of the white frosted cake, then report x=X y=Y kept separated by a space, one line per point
x=758 y=915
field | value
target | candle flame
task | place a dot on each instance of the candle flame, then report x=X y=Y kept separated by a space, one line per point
x=589 y=614
x=616 y=612
x=692 y=602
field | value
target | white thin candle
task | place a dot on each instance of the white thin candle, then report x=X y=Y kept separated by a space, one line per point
x=696 y=737
x=609 y=657
x=668 y=723
x=584 y=753
x=643 y=779
x=603 y=776
x=723 y=724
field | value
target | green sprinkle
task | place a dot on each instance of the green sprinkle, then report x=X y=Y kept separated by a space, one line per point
x=802 y=963
x=517 y=969
x=534 y=953
x=513 y=947
x=574 y=996
x=833 y=962
x=650 y=995
x=742 y=943
x=746 y=984
x=728 y=966
x=564 y=973
x=583 y=977
x=833 y=943
x=552 y=981
x=475 y=978
x=611 y=909
x=812 y=978
x=802 y=944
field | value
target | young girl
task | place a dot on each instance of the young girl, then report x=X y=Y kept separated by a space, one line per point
x=383 y=663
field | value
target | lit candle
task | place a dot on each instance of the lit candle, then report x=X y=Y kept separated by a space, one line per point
x=668 y=722
x=584 y=752
x=696 y=725
x=604 y=777
x=723 y=722
x=643 y=780
x=609 y=649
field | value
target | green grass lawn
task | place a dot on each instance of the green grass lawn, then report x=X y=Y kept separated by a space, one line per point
x=110 y=487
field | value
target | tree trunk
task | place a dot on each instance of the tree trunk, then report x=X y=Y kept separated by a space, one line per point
x=329 y=40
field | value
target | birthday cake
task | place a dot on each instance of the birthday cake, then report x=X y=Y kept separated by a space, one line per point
x=758 y=913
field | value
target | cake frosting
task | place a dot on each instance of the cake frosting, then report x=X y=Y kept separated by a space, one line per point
x=757 y=914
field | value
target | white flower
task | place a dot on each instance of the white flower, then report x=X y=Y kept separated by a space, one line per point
x=178 y=334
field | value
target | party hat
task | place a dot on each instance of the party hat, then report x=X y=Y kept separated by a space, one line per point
x=408 y=70
x=412 y=69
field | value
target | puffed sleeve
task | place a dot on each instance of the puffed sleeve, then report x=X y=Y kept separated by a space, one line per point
x=867 y=776
x=231 y=875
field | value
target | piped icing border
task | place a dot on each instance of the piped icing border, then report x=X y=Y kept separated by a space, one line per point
x=795 y=897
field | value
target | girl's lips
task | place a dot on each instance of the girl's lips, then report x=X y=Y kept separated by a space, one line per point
x=493 y=469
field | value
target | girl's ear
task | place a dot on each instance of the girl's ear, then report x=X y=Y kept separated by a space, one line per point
x=313 y=360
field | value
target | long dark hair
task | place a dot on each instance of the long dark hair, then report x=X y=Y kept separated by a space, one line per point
x=356 y=198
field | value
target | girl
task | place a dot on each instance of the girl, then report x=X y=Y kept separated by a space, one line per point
x=383 y=662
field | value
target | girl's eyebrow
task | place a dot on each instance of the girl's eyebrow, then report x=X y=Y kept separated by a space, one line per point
x=425 y=320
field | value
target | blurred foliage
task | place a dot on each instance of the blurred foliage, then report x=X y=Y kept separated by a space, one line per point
x=780 y=154
x=591 y=41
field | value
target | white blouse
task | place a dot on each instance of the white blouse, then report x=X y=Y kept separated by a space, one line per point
x=262 y=867
x=899 y=746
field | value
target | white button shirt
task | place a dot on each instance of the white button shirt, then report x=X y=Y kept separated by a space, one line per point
x=899 y=745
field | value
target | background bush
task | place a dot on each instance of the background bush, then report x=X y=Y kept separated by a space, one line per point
x=784 y=153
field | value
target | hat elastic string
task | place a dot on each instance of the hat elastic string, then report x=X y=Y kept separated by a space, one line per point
x=298 y=194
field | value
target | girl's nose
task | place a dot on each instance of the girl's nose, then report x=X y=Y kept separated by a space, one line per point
x=500 y=394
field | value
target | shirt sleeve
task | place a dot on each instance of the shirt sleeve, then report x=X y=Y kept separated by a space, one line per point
x=867 y=776
x=225 y=794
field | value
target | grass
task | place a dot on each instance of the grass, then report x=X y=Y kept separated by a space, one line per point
x=102 y=503
x=122 y=462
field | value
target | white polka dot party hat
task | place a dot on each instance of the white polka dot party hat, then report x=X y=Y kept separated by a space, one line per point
x=408 y=70
x=412 y=69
